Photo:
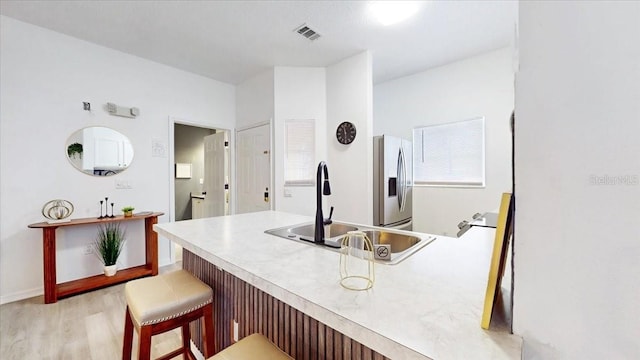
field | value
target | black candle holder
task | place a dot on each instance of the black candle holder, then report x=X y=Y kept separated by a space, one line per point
x=112 y=216
x=101 y=217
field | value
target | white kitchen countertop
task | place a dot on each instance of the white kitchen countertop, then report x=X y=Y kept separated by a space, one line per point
x=428 y=306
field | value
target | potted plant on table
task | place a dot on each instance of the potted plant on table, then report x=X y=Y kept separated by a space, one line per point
x=128 y=211
x=108 y=246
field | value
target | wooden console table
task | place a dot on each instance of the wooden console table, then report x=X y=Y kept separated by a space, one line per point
x=54 y=291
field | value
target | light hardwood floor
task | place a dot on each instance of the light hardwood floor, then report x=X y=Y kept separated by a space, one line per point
x=84 y=327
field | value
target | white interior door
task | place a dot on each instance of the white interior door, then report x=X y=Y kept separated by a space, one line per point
x=253 y=170
x=216 y=174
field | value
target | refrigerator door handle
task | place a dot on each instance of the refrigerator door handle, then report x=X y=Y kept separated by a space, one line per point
x=399 y=179
x=402 y=179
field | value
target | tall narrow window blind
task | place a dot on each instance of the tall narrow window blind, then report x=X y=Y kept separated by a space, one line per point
x=450 y=154
x=299 y=149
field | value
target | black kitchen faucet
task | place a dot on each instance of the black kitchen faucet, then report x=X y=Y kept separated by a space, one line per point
x=326 y=190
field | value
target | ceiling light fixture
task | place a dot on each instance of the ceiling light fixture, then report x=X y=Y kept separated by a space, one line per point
x=392 y=12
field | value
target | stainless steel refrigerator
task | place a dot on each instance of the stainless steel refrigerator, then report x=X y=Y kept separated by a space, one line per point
x=392 y=182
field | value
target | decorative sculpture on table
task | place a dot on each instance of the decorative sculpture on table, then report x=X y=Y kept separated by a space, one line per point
x=101 y=217
x=57 y=210
x=106 y=209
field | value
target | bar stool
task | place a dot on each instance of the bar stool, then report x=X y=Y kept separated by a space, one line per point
x=254 y=346
x=166 y=302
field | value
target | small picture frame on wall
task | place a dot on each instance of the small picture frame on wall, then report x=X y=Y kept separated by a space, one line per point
x=183 y=171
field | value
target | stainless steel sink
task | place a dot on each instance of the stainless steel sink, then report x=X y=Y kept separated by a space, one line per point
x=398 y=242
x=402 y=243
x=307 y=231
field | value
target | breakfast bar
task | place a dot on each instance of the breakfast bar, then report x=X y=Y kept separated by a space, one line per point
x=428 y=306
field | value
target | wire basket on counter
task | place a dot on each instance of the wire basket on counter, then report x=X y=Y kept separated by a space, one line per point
x=356 y=261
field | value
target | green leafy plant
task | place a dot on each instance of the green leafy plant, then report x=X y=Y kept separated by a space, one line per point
x=73 y=149
x=128 y=208
x=109 y=242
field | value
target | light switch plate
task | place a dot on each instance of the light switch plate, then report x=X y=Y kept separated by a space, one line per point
x=123 y=184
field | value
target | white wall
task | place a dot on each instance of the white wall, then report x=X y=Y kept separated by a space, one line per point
x=343 y=89
x=577 y=239
x=349 y=98
x=478 y=86
x=254 y=100
x=44 y=78
x=300 y=93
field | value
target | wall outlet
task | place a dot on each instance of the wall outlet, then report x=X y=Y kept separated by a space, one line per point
x=158 y=148
x=87 y=250
x=287 y=193
x=235 y=330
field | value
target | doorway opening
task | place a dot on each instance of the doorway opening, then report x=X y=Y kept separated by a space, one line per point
x=200 y=169
x=188 y=155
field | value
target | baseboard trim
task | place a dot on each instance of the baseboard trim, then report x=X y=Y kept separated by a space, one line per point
x=165 y=261
x=21 y=295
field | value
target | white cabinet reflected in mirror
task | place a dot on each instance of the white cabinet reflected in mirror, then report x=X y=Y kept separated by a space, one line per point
x=99 y=151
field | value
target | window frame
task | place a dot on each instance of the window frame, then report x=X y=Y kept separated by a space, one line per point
x=478 y=181
x=289 y=125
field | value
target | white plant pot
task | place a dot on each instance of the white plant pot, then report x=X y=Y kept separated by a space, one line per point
x=110 y=270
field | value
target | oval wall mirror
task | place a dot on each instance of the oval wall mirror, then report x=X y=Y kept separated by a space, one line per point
x=99 y=151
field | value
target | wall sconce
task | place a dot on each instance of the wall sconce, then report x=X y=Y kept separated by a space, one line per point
x=86 y=105
x=116 y=110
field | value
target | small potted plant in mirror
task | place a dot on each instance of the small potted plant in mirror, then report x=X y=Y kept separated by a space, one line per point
x=108 y=246
x=74 y=149
x=128 y=211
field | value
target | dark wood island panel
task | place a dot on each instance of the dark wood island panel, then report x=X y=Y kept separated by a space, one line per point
x=299 y=335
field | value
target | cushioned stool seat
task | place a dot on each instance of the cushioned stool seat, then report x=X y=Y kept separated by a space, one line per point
x=255 y=346
x=165 y=302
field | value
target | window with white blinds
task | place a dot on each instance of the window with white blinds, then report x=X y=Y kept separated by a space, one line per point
x=450 y=154
x=299 y=150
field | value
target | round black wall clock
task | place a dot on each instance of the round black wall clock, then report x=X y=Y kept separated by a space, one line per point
x=346 y=133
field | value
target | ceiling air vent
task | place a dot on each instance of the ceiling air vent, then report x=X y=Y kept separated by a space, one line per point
x=307 y=32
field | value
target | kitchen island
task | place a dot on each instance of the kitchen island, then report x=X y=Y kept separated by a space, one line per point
x=428 y=306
